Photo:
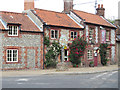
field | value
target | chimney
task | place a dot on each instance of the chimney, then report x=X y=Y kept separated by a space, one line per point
x=28 y=4
x=68 y=5
x=100 y=10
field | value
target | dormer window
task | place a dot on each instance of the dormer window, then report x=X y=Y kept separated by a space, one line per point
x=13 y=31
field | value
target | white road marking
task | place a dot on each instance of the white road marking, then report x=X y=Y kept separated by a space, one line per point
x=110 y=75
x=23 y=79
x=19 y=83
x=105 y=77
x=98 y=76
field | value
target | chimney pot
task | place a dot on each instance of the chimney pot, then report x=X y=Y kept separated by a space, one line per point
x=28 y=4
x=98 y=5
x=68 y=5
x=101 y=5
x=100 y=10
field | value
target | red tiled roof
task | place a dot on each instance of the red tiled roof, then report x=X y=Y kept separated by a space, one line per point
x=92 y=18
x=1 y=26
x=56 y=18
x=19 y=18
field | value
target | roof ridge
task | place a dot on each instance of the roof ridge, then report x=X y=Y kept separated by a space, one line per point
x=85 y=12
x=13 y=12
x=49 y=11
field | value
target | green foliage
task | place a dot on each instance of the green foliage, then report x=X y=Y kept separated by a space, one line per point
x=52 y=54
x=77 y=51
x=46 y=41
x=111 y=21
x=103 y=48
x=91 y=62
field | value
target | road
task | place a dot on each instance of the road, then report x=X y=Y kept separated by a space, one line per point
x=98 y=80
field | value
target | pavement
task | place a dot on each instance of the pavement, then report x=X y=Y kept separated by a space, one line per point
x=70 y=71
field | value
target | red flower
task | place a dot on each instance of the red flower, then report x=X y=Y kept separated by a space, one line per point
x=77 y=49
x=76 y=53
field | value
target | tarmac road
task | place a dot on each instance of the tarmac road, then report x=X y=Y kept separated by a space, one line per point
x=96 y=80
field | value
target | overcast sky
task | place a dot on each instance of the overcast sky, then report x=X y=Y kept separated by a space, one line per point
x=111 y=6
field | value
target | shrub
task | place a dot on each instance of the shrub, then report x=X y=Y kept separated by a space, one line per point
x=103 y=48
x=51 y=56
x=77 y=51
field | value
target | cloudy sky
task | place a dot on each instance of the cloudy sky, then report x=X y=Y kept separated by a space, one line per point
x=111 y=6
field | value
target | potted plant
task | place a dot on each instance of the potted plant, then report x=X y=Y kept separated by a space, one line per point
x=91 y=64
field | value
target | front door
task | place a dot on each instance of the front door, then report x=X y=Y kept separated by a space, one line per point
x=95 y=59
x=65 y=55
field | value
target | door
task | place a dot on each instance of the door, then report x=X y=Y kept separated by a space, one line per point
x=95 y=59
x=65 y=55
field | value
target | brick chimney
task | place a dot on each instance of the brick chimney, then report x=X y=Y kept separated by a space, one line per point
x=68 y=5
x=100 y=10
x=28 y=4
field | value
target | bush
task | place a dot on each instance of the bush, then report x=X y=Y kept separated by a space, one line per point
x=103 y=48
x=51 y=56
x=77 y=51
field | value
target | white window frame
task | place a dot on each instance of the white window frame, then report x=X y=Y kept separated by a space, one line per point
x=108 y=52
x=13 y=30
x=54 y=34
x=107 y=37
x=91 y=34
x=11 y=56
x=73 y=35
x=90 y=54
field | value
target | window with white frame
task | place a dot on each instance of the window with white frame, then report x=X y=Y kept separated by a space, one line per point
x=13 y=30
x=91 y=31
x=107 y=35
x=54 y=34
x=12 y=55
x=108 y=53
x=73 y=35
x=89 y=54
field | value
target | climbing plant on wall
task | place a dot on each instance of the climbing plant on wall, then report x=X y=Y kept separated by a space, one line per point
x=77 y=49
x=103 y=49
x=53 y=50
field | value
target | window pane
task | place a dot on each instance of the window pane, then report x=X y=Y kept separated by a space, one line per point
x=10 y=30
x=56 y=34
x=14 y=55
x=75 y=34
x=52 y=34
x=71 y=34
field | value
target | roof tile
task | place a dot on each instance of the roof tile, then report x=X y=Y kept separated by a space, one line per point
x=19 y=18
x=92 y=18
x=56 y=18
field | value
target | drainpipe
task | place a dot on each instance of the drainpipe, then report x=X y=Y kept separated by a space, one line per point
x=43 y=45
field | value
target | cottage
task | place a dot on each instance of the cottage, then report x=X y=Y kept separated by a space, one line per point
x=97 y=30
x=22 y=42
